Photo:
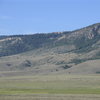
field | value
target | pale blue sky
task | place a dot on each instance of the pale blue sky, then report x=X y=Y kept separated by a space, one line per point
x=33 y=16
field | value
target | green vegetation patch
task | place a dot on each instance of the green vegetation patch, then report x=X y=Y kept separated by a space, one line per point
x=50 y=91
x=61 y=84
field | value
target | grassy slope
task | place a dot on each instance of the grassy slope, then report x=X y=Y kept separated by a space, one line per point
x=46 y=62
x=88 y=67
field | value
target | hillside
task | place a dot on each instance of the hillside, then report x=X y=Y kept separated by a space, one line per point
x=54 y=52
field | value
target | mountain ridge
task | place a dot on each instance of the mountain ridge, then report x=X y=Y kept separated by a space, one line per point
x=65 y=36
x=52 y=52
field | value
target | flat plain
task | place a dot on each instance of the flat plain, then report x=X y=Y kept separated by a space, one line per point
x=50 y=87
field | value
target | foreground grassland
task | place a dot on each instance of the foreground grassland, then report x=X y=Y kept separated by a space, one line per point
x=50 y=87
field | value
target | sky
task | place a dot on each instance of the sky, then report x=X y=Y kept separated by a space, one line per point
x=44 y=16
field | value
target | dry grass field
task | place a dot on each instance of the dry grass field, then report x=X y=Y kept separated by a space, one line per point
x=50 y=87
